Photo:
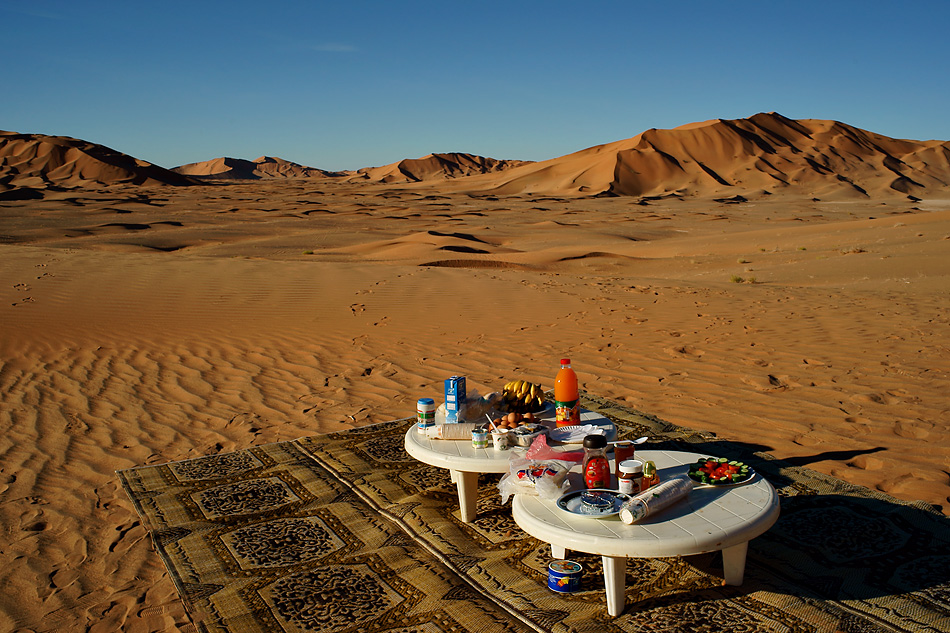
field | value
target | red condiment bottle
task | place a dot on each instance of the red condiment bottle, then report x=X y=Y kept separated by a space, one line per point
x=596 y=467
x=566 y=397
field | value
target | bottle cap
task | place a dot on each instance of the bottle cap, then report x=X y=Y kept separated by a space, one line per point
x=565 y=361
x=595 y=441
x=425 y=401
x=631 y=466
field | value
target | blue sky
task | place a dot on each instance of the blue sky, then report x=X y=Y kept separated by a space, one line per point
x=343 y=85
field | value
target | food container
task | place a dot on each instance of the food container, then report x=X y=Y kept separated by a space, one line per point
x=425 y=414
x=564 y=576
x=525 y=434
x=479 y=438
x=454 y=399
x=623 y=451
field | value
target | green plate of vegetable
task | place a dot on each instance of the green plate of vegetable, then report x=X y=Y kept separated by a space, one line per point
x=719 y=471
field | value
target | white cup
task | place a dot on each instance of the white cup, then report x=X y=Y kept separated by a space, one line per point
x=499 y=440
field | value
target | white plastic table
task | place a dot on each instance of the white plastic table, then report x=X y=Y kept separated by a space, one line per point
x=466 y=462
x=711 y=518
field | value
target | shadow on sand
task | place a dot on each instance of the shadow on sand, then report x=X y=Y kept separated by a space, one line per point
x=837 y=541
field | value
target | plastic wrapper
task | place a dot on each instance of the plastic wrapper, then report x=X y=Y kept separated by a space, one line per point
x=473 y=409
x=576 y=434
x=459 y=431
x=545 y=478
x=525 y=434
x=540 y=449
x=657 y=498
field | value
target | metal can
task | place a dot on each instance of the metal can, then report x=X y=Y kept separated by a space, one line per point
x=480 y=438
x=564 y=576
x=425 y=414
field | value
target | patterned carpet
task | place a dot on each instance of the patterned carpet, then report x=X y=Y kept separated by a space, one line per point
x=346 y=532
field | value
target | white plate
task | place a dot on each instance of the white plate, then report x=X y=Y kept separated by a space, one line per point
x=572 y=434
x=571 y=503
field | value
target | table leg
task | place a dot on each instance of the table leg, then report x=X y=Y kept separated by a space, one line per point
x=733 y=563
x=615 y=578
x=558 y=552
x=467 y=484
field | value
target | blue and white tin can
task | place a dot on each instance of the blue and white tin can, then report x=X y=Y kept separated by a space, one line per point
x=564 y=576
x=479 y=438
x=425 y=414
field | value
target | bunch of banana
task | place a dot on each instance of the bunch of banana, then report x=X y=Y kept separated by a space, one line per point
x=521 y=396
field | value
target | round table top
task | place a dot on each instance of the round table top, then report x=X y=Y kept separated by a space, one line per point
x=462 y=456
x=711 y=518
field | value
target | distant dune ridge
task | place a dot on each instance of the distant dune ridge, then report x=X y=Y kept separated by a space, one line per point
x=240 y=169
x=30 y=163
x=739 y=158
x=437 y=167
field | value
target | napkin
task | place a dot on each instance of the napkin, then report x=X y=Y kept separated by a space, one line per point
x=574 y=434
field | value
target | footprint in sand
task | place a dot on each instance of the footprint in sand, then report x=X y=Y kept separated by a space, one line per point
x=357 y=308
x=912 y=430
x=867 y=462
x=874 y=398
x=22 y=287
x=769 y=382
x=684 y=350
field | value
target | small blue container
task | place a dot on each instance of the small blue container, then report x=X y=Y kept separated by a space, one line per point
x=425 y=414
x=564 y=576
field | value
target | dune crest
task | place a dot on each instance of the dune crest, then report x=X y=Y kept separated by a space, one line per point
x=30 y=163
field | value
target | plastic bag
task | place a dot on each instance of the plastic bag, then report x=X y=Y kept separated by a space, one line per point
x=539 y=449
x=546 y=478
x=473 y=409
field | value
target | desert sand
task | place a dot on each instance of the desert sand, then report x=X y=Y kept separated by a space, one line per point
x=145 y=323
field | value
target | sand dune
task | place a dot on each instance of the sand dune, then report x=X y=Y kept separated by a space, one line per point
x=240 y=169
x=736 y=159
x=436 y=167
x=31 y=163
x=764 y=154
x=145 y=324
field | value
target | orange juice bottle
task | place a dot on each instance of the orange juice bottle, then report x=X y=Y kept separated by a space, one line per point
x=566 y=399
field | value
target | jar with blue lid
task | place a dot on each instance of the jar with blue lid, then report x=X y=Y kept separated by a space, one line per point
x=425 y=414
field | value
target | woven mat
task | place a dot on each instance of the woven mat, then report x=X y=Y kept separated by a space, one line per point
x=346 y=532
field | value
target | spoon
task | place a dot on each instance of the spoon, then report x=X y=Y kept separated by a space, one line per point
x=639 y=440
